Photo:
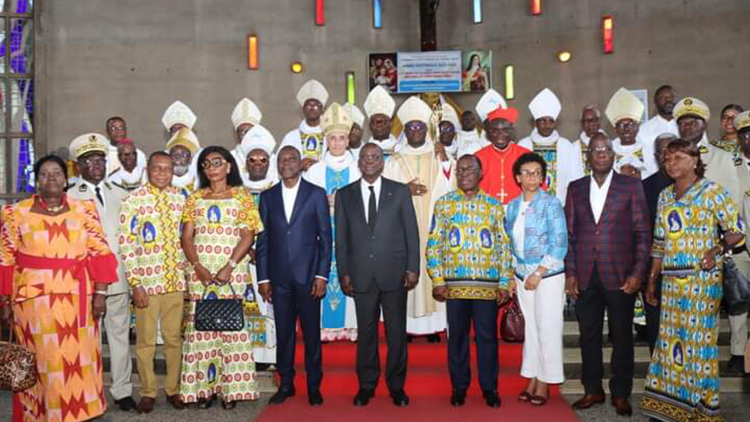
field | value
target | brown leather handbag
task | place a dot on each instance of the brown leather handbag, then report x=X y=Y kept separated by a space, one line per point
x=17 y=366
x=512 y=323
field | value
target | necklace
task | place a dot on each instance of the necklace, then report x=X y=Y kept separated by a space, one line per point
x=50 y=209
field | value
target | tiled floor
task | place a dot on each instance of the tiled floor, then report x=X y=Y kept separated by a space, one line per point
x=736 y=409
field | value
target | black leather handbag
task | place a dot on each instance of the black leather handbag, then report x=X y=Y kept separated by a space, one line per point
x=736 y=289
x=219 y=314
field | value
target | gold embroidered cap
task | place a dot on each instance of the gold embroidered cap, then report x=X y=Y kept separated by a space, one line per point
x=336 y=119
x=186 y=138
x=258 y=137
x=379 y=101
x=624 y=105
x=246 y=112
x=355 y=113
x=312 y=89
x=742 y=120
x=690 y=106
x=176 y=113
x=489 y=102
x=448 y=114
x=90 y=142
x=414 y=109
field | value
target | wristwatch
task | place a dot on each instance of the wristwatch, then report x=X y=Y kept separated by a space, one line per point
x=232 y=264
x=538 y=273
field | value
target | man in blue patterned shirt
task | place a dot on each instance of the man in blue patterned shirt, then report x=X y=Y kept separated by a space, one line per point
x=469 y=261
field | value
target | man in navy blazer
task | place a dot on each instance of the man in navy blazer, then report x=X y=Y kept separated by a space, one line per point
x=293 y=261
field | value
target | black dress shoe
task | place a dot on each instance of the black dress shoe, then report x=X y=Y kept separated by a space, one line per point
x=736 y=364
x=126 y=404
x=205 y=403
x=228 y=405
x=315 y=398
x=363 y=397
x=400 y=398
x=491 y=398
x=281 y=395
x=458 y=398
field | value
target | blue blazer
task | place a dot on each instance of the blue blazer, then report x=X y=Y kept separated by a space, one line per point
x=299 y=250
x=545 y=234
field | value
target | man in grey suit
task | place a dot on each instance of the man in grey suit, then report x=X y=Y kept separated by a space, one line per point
x=89 y=151
x=377 y=254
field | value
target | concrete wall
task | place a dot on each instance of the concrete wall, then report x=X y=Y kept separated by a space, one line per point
x=133 y=58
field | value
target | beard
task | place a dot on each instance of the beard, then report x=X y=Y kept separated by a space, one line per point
x=181 y=170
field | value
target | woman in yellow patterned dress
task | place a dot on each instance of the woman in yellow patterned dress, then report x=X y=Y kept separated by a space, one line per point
x=220 y=224
x=54 y=268
x=682 y=383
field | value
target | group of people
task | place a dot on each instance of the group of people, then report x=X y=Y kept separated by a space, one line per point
x=428 y=229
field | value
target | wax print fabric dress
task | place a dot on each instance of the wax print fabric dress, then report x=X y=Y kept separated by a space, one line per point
x=682 y=383
x=220 y=362
x=49 y=264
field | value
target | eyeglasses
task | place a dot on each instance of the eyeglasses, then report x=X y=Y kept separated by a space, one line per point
x=601 y=150
x=90 y=161
x=215 y=163
x=626 y=124
x=256 y=160
x=534 y=174
x=591 y=120
x=447 y=129
x=416 y=126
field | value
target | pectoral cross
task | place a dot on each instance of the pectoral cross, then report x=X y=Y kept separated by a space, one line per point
x=502 y=195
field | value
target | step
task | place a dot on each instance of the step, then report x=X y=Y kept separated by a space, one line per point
x=727 y=385
x=642 y=354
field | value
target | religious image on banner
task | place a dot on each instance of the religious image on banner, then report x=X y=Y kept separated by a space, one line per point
x=476 y=70
x=383 y=71
x=642 y=95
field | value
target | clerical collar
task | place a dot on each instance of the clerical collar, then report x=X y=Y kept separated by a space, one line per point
x=260 y=185
x=502 y=150
x=586 y=138
x=304 y=127
x=183 y=181
x=545 y=141
x=338 y=163
x=385 y=144
x=422 y=149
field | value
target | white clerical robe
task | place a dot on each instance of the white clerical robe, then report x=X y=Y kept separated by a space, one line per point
x=564 y=160
x=128 y=180
x=389 y=146
x=637 y=151
x=313 y=144
x=469 y=142
x=333 y=327
x=656 y=126
x=424 y=314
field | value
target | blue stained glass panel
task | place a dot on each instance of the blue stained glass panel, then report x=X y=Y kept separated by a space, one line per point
x=17 y=6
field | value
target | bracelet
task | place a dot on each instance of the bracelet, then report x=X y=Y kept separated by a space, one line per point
x=195 y=264
x=232 y=263
x=100 y=292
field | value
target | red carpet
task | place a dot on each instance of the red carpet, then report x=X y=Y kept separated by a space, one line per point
x=427 y=384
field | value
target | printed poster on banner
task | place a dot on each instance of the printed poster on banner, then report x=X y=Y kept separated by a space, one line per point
x=433 y=71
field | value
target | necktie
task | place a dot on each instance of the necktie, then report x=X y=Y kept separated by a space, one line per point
x=98 y=191
x=371 y=209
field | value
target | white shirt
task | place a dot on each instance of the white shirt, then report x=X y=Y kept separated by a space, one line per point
x=289 y=195
x=93 y=188
x=366 y=195
x=656 y=126
x=598 y=195
x=519 y=228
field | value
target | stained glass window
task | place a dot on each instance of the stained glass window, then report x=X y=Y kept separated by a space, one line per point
x=16 y=98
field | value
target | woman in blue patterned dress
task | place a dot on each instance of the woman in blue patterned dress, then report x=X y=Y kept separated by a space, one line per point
x=696 y=222
x=337 y=169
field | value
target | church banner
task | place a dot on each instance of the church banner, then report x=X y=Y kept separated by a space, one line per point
x=433 y=71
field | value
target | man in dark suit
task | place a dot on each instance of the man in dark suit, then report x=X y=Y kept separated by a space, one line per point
x=652 y=187
x=294 y=260
x=609 y=239
x=377 y=254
